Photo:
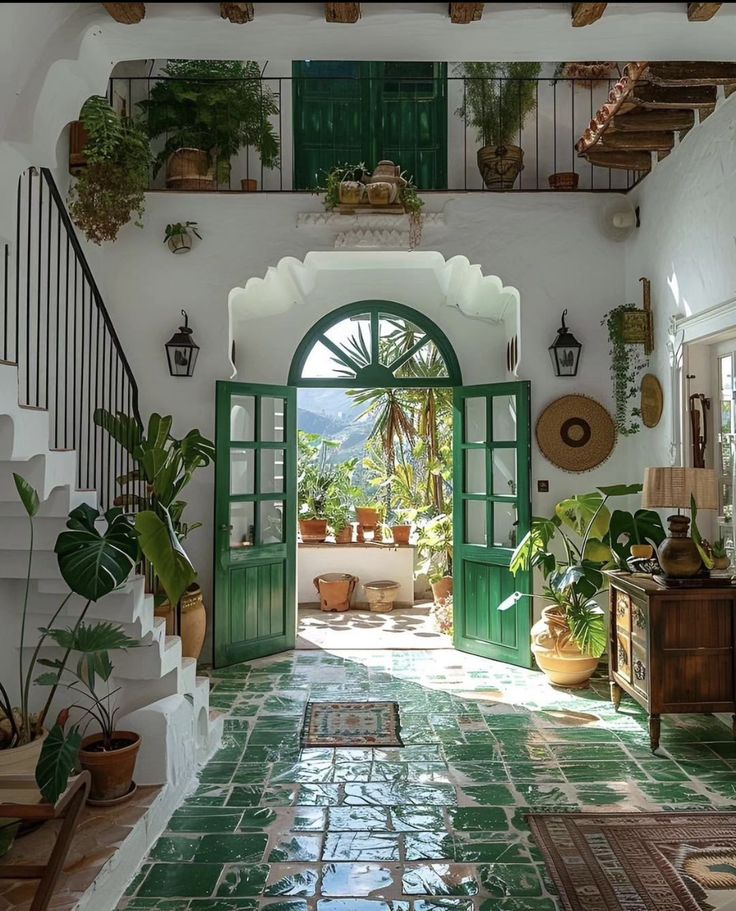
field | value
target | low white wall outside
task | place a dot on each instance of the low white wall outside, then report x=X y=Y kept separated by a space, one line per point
x=369 y=563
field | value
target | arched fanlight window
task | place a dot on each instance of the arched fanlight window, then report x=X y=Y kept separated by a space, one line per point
x=375 y=343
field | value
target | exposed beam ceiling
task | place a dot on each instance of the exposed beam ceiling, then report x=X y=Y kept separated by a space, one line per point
x=342 y=12
x=586 y=13
x=127 y=13
x=462 y=13
x=702 y=12
x=237 y=12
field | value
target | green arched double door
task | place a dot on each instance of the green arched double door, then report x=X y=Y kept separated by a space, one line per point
x=368 y=344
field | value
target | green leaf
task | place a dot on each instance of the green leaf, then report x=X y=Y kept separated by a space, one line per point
x=644 y=526
x=47 y=679
x=587 y=627
x=102 y=636
x=28 y=496
x=57 y=761
x=162 y=549
x=94 y=564
x=597 y=551
x=577 y=513
x=121 y=427
x=621 y=490
x=533 y=545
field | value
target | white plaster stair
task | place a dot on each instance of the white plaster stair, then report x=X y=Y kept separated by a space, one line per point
x=160 y=694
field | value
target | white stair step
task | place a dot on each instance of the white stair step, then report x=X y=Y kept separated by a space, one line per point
x=43 y=472
x=59 y=503
x=187 y=676
x=15 y=532
x=24 y=432
x=126 y=604
x=149 y=662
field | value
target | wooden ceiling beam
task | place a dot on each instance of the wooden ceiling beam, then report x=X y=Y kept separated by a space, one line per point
x=239 y=13
x=644 y=121
x=586 y=13
x=126 y=13
x=691 y=72
x=342 y=12
x=633 y=142
x=619 y=160
x=702 y=12
x=673 y=96
x=462 y=13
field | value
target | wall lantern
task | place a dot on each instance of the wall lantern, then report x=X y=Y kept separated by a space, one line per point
x=565 y=351
x=182 y=351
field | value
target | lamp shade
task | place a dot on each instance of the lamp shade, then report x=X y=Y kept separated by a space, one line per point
x=673 y=487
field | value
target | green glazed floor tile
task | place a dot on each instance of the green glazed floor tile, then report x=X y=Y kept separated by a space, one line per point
x=297 y=879
x=242 y=880
x=353 y=846
x=440 y=879
x=353 y=879
x=293 y=847
x=485 y=819
x=185 y=880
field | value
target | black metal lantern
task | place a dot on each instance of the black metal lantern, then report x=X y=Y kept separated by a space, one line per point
x=182 y=351
x=565 y=351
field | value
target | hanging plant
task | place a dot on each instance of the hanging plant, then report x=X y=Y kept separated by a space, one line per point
x=413 y=204
x=627 y=362
x=111 y=189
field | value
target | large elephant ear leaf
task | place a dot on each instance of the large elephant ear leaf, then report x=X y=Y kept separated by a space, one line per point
x=57 y=761
x=579 y=511
x=27 y=494
x=94 y=564
x=162 y=549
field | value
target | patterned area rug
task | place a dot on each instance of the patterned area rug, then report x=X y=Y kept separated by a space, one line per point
x=642 y=861
x=351 y=724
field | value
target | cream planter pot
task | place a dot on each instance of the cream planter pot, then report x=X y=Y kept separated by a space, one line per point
x=18 y=762
x=556 y=653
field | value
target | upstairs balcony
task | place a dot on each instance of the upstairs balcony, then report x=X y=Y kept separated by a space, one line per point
x=283 y=127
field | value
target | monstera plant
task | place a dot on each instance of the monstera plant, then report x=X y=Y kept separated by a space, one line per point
x=571 y=549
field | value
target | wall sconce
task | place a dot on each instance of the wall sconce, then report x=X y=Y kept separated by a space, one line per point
x=181 y=350
x=565 y=351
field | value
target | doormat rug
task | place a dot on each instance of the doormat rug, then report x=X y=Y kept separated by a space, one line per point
x=351 y=724
x=640 y=861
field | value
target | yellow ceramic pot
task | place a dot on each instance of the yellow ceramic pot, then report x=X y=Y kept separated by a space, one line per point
x=556 y=654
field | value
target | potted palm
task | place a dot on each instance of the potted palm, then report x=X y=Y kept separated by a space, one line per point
x=497 y=99
x=207 y=110
x=165 y=466
x=570 y=637
x=92 y=563
x=110 y=189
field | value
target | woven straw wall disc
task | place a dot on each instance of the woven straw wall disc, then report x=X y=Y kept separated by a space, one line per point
x=576 y=433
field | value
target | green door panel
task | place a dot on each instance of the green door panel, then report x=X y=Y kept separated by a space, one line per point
x=348 y=111
x=492 y=510
x=255 y=521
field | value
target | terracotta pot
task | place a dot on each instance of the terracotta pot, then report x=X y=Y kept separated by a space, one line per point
x=190 y=169
x=441 y=589
x=367 y=516
x=21 y=761
x=193 y=621
x=335 y=590
x=345 y=535
x=641 y=551
x=386 y=172
x=313 y=531
x=78 y=139
x=564 y=180
x=351 y=192
x=179 y=243
x=381 y=193
x=499 y=166
x=721 y=563
x=401 y=533
x=381 y=595
x=249 y=185
x=678 y=556
x=556 y=654
x=112 y=772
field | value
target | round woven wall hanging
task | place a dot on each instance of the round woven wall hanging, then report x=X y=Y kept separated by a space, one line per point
x=576 y=433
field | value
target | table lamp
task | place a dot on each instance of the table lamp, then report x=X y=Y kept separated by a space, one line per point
x=668 y=488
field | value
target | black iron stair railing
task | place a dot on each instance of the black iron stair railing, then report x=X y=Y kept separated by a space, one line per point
x=57 y=330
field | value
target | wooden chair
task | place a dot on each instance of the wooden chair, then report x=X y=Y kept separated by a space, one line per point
x=67 y=808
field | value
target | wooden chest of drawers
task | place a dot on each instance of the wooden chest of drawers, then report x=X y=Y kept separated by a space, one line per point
x=672 y=650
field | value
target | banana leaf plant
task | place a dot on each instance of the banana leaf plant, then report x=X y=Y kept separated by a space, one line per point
x=571 y=549
x=164 y=467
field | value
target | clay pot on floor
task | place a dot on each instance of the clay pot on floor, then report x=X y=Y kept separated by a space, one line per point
x=190 y=169
x=335 y=590
x=381 y=595
x=193 y=621
x=441 y=589
x=499 y=166
x=313 y=531
x=556 y=654
x=401 y=533
x=111 y=771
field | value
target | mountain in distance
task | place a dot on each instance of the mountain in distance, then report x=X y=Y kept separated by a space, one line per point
x=332 y=414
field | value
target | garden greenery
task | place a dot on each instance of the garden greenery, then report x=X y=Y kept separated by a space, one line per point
x=497 y=99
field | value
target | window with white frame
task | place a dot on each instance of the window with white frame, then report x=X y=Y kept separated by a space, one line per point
x=725 y=447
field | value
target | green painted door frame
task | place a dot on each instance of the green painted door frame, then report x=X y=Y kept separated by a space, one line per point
x=491 y=489
x=255 y=521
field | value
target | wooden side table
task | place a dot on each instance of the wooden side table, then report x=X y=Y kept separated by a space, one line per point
x=672 y=650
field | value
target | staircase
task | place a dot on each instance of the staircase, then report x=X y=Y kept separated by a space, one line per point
x=59 y=360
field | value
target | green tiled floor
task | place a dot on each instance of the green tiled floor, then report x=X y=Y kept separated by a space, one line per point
x=437 y=824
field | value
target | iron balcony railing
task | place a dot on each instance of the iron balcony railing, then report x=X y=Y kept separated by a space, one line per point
x=56 y=329
x=320 y=121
